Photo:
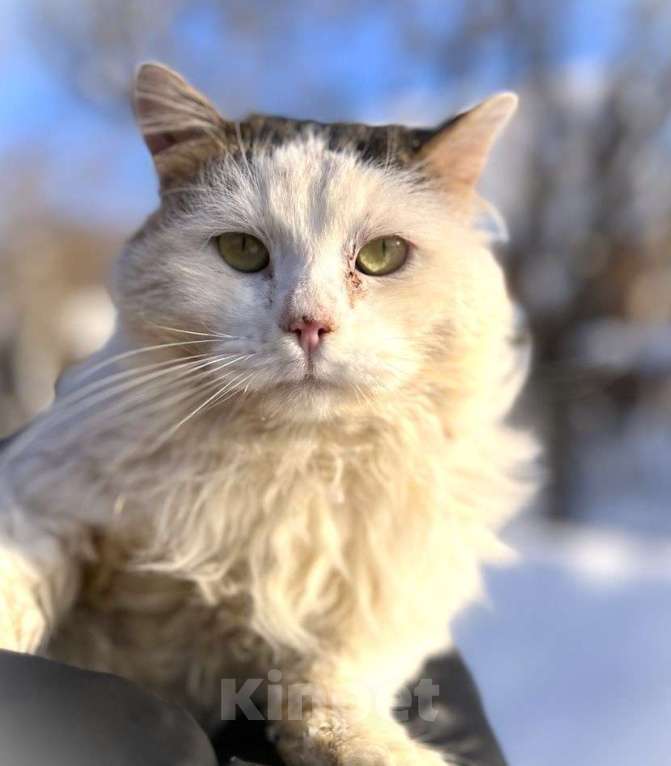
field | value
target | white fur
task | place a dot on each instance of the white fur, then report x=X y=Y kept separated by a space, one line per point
x=331 y=529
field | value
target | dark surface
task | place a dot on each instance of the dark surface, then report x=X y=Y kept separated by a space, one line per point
x=56 y=715
x=62 y=716
x=461 y=729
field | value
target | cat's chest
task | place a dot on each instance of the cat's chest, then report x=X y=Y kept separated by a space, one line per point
x=158 y=630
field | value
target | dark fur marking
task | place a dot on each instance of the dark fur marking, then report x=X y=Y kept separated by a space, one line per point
x=383 y=144
x=394 y=145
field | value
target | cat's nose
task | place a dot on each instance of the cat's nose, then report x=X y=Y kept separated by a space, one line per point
x=309 y=332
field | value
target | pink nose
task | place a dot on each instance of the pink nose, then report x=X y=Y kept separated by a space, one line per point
x=309 y=332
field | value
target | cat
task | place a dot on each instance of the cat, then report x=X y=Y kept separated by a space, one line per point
x=290 y=459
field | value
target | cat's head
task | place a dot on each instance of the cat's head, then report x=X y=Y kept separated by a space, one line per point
x=333 y=264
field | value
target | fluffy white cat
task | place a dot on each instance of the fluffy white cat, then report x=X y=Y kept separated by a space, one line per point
x=292 y=455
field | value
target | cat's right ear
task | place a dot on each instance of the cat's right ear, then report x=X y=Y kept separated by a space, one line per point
x=179 y=124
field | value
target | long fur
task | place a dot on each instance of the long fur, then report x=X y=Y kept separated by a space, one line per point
x=191 y=512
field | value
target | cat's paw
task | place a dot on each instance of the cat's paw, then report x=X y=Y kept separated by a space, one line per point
x=22 y=623
x=325 y=739
x=369 y=752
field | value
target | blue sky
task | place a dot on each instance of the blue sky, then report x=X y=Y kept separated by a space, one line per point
x=338 y=67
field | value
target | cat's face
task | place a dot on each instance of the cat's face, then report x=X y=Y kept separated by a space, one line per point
x=357 y=277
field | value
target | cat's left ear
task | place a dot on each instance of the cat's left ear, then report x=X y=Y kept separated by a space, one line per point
x=457 y=151
x=180 y=126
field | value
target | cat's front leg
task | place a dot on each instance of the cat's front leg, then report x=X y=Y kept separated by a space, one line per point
x=38 y=582
x=326 y=723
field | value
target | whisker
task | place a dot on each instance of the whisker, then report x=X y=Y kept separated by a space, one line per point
x=241 y=384
x=118 y=383
x=119 y=415
x=213 y=335
x=161 y=403
x=207 y=382
x=182 y=370
x=99 y=391
x=95 y=385
x=126 y=354
x=239 y=389
x=204 y=404
x=163 y=437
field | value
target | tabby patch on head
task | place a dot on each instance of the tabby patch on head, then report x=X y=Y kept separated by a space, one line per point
x=183 y=130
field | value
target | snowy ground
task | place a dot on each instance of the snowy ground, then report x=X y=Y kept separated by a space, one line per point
x=573 y=651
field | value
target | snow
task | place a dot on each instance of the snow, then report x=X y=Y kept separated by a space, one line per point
x=572 y=650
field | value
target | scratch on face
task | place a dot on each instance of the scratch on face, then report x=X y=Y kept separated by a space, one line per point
x=354 y=284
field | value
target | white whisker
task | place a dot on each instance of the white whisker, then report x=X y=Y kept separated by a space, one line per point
x=95 y=385
x=126 y=354
x=182 y=370
x=207 y=383
x=212 y=335
x=97 y=392
x=225 y=388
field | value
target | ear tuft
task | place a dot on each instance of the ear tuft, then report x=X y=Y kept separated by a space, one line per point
x=458 y=150
x=170 y=112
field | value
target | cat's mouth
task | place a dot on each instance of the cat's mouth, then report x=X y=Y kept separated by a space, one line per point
x=312 y=377
x=312 y=381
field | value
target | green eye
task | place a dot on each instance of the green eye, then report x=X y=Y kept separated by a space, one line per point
x=243 y=252
x=382 y=256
